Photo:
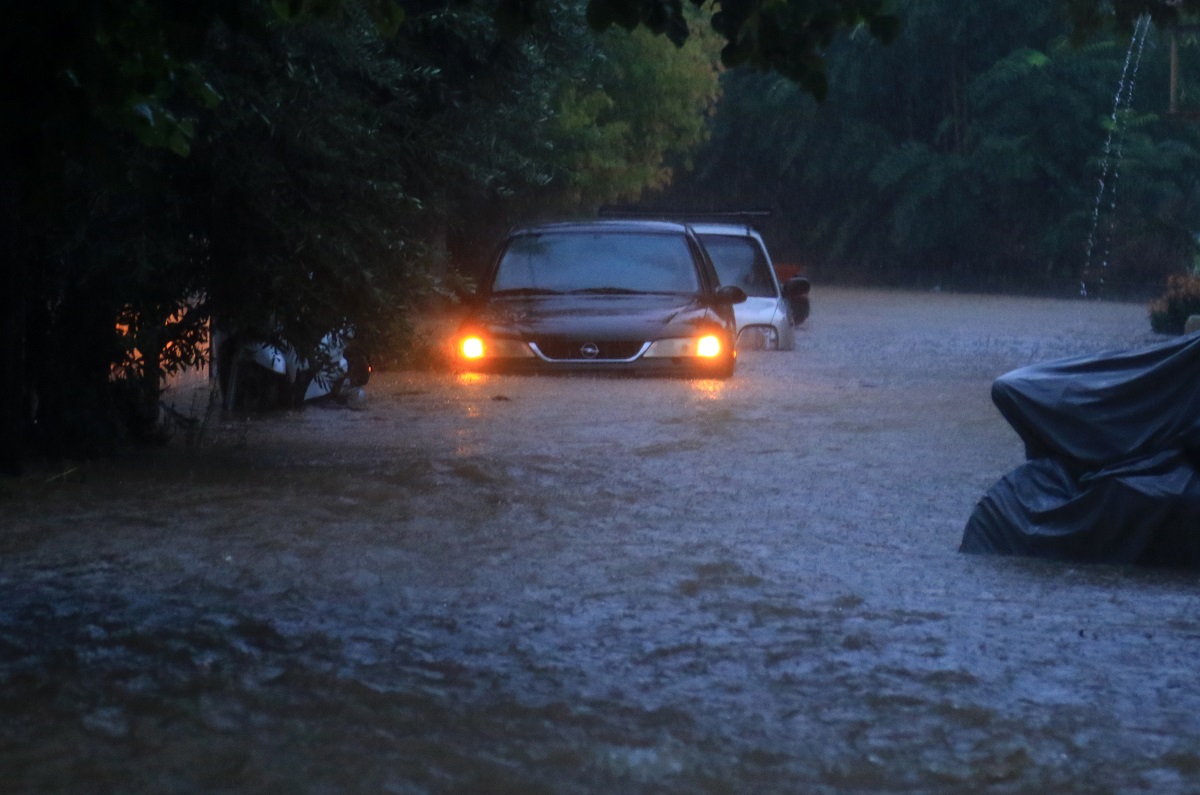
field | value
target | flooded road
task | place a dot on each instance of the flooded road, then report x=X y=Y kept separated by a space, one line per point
x=522 y=585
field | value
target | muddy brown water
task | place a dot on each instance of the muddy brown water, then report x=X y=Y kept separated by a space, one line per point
x=578 y=585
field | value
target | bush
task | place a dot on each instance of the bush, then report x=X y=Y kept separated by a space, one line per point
x=1182 y=299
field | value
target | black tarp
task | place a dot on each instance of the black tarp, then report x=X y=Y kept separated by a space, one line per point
x=1112 y=444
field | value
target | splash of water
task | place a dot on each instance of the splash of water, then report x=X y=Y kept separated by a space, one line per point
x=1111 y=159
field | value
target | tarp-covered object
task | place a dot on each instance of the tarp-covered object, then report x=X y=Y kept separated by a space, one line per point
x=1112 y=444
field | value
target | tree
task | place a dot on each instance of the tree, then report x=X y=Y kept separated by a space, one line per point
x=639 y=103
x=316 y=191
x=1090 y=17
x=148 y=176
x=961 y=154
x=791 y=37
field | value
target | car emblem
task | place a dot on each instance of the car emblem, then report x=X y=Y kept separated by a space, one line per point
x=590 y=350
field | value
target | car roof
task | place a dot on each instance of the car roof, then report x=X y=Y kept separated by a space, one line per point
x=607 y=225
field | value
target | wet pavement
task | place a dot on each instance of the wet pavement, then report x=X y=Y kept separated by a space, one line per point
x=501 y=584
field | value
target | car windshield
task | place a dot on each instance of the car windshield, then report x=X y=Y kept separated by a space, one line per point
x=740 y=261
x=597 y=262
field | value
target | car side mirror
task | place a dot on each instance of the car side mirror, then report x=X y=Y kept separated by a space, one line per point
x=795 y=292
x=796 y=287
x=728 y=295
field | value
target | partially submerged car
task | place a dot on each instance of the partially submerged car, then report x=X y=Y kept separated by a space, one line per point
x=774 y=305
x=628 y=296
x=258 y=375
x=767 y=318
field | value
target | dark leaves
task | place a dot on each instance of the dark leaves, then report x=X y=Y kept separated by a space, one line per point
x=661 y=17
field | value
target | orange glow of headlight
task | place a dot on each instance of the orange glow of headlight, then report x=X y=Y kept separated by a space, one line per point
x=708 y=346
x=471 y=348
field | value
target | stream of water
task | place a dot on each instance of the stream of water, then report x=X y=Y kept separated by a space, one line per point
x=1110 y=162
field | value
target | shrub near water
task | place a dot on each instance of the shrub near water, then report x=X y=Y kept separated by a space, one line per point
x=1170 y=312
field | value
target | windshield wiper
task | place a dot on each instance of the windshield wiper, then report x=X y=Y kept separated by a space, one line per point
x=607 y=291
x=527 y=291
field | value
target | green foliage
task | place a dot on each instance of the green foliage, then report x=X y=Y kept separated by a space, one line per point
x=969 y=153
x=304 y=182
x=645 y=102
x=1169 y=313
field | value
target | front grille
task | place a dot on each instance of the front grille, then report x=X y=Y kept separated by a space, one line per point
x=573 y=350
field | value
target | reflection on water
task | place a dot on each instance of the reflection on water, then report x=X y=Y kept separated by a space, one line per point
x=471 y=379
x=710 y=388
x=465 y=443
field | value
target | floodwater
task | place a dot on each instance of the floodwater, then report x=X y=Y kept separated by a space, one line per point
x=543 y=585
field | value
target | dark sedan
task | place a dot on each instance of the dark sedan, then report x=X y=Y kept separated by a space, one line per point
x=602 y=296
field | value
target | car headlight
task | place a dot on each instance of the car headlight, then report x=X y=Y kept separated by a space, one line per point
x=708 y=346
x=758 y=338
x=471 y=348
x=475 y=347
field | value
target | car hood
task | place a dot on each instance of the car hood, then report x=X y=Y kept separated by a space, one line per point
x=642 y=316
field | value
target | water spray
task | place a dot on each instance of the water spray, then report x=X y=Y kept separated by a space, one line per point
x=1122 y=103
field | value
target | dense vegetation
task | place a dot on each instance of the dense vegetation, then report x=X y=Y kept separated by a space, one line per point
x=283 y=166
x=282 y=177
x=969 y=153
